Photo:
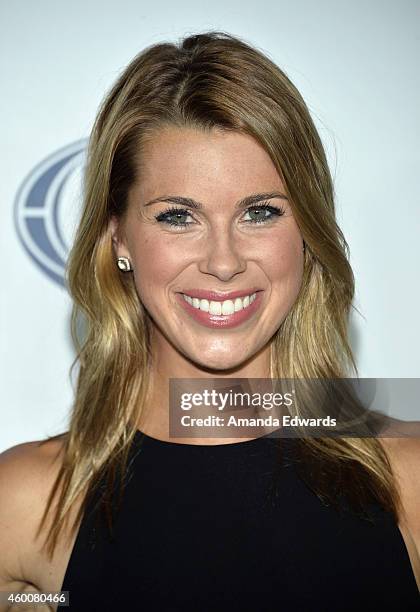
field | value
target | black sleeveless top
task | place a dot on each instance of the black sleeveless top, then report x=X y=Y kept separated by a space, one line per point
x=233 y=527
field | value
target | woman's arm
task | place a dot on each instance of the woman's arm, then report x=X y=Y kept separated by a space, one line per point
x=26 y=475
x=18 y=490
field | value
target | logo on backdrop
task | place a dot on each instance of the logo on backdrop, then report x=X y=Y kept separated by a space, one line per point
x=46 y=208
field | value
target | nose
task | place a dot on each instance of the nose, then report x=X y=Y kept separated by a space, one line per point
x=224 y=256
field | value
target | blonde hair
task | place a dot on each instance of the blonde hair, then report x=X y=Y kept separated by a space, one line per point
x=207 y=81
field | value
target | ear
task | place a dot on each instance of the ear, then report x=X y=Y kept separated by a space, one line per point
x=116 y=230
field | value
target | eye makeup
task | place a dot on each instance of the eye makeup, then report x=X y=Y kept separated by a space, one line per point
x=260 y=209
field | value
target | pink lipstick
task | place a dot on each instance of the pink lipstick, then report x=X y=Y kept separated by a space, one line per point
x=221 y=320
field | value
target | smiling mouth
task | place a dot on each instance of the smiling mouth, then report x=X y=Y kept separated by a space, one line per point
x=218 y=313
x=220 y=307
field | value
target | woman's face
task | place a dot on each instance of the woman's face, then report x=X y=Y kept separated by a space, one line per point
x=215 y=245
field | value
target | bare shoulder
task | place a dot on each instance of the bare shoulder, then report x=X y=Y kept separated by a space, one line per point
x=404 y=456
x=27 y=473
x=31 y=455
x=401 y=441
x=26 y=469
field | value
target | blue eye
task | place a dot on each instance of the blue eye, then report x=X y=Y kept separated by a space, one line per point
x=175 y=213
x=260 y=211
x=173 y=216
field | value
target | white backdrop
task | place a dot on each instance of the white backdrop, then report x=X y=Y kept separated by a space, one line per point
x=356 y=65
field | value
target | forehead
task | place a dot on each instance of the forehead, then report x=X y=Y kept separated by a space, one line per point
x=194 y=162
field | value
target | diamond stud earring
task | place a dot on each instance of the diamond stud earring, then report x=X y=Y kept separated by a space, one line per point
x=124 y=264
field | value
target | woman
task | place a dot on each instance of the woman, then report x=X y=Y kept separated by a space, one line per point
x=206 y=177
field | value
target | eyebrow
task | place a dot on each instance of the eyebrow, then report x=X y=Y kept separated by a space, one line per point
x=244 y=203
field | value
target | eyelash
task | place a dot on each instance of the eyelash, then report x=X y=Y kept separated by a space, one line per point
x=274 y=210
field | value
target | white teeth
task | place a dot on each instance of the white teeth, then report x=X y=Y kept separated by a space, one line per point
x=218 y=308
x=228 y=307
x=238 y=304
x=215 y=308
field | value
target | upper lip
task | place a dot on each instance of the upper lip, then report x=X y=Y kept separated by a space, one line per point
x=219 y=295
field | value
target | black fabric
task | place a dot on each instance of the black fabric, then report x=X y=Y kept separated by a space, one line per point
x=233 y=527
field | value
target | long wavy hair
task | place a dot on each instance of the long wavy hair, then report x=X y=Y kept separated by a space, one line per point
x=206 y=81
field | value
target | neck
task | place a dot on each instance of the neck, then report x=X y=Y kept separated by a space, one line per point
x=169 y=364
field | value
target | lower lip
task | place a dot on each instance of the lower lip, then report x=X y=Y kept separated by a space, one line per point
x=225 y=321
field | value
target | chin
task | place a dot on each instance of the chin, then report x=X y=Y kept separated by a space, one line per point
x=218 y=363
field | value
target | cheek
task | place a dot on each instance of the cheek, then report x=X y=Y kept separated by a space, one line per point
x=284 y=268
x=155 y=265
